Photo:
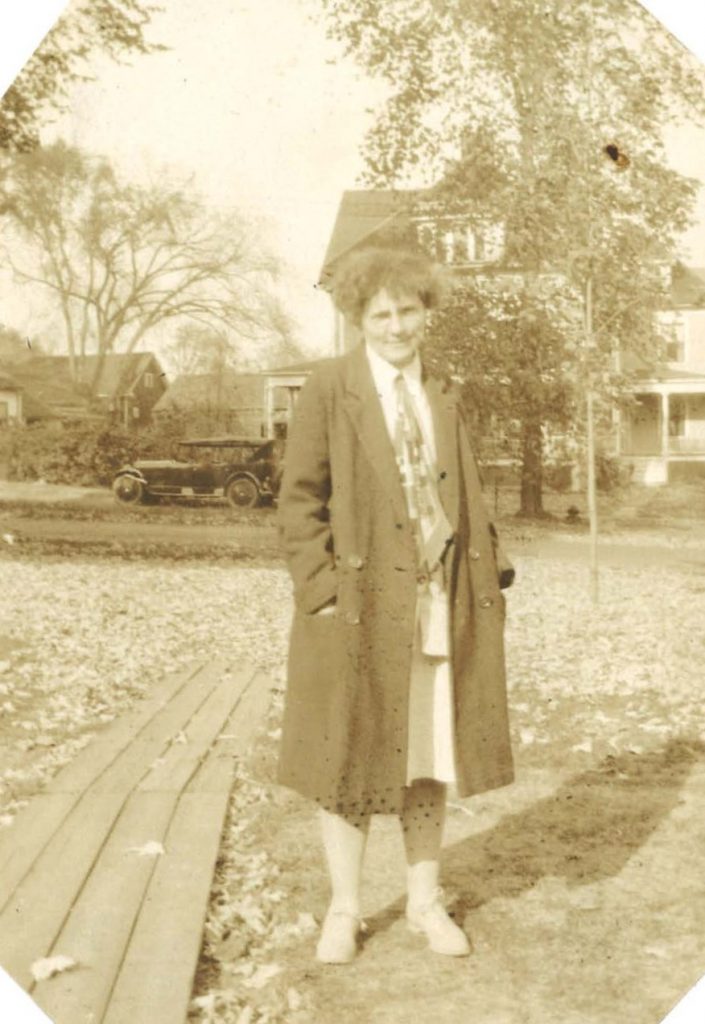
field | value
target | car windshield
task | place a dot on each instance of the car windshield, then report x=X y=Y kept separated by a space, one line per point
x=224 y=451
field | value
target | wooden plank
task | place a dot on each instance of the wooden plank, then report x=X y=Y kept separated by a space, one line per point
x=34 y=826
x=37 y=909
x=31 y=835
x=155 y=983
x=99 y=925
x=175 y=768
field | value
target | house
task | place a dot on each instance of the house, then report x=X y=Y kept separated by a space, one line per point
x=410 y=218
x=19 y=404
x=662 y=434
x=11 y=405
x=127 y=388
x=255 y=404
x=224 y=400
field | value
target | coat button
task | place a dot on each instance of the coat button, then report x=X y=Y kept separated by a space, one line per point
x=474 y=554
x=422 y=578
x=355 y=562
x=486 y=602
x=352 y=618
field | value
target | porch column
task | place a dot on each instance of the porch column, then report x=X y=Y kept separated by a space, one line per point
x=665 y=418
x=268 y=408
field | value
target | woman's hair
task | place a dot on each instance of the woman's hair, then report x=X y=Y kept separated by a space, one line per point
x=398 y=271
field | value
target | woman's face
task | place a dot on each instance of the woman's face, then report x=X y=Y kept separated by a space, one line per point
x=394 y=326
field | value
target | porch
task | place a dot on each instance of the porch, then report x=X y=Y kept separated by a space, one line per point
x=662 y=435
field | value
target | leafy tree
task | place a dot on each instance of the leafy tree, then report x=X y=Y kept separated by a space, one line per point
x=113 y=27
x=547 y=117
x=119 y=259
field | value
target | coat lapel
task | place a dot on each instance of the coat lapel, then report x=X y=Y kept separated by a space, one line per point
x=365 y=411
x=444 y=408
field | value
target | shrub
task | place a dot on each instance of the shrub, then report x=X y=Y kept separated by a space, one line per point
x=83 y=454
x=610 y=473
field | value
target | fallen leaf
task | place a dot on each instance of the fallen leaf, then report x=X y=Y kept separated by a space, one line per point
x=206 y=1003
x=232 y=948
x=150 y=849
x=459 y=807
x=9 y=538
x=306 y=922
x=660 y=952
x=293 y=998
x=263 y=975
x=582 y=748
x=49 y=966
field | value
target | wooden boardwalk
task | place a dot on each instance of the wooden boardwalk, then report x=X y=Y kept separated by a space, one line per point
x=75 y=880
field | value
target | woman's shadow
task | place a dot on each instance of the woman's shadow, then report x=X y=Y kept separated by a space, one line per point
x=584 y=832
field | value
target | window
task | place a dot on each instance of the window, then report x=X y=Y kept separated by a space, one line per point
x=4 y=411
x=676 y=416
x=148 y=381
x=675 y=346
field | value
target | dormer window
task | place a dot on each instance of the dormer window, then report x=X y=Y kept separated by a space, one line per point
x=457 y=242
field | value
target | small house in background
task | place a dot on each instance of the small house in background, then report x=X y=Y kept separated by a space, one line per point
x=11 y=400
x=662 y=435
x=127 y=388
x=222 y=401
x=252 y=404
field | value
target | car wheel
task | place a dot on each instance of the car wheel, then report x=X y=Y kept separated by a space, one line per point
x=242 y=492
x=129 y=490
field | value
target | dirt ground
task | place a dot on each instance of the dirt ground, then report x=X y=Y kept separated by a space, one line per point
x=580 y=886
x=581 y=892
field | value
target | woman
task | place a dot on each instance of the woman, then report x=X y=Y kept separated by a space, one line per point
x=396 y=668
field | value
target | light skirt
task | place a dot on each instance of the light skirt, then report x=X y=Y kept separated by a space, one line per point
x=431 y=718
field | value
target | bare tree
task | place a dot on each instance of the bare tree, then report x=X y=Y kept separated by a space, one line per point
x=120 y=259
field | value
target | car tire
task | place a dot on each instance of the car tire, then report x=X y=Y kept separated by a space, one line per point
x=242 y=492
x=129 y=490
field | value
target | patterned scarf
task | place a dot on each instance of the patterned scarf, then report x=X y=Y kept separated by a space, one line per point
x=430 y=523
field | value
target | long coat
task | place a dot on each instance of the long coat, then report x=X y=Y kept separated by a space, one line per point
x=348 y=538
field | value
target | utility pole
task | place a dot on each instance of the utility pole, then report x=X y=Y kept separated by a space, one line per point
x=589 y=333
x=590 y=431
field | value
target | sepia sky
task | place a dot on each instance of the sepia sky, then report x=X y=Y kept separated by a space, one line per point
x=255 y=103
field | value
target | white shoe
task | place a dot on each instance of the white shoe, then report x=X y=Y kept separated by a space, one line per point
x=443 y=934
x=338 y=941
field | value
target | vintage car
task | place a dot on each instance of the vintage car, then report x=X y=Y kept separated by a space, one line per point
x=245 y=471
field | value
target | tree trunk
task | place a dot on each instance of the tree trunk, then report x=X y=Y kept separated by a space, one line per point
x=531 y=471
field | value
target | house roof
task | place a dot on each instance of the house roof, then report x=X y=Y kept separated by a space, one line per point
x=363 y=213
x=193 y=389
x=8 y=383
x=688 y=286
x=49 y=388
x=32 y=407
x=633 y=363
x=303 y=367
x=119 y=373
